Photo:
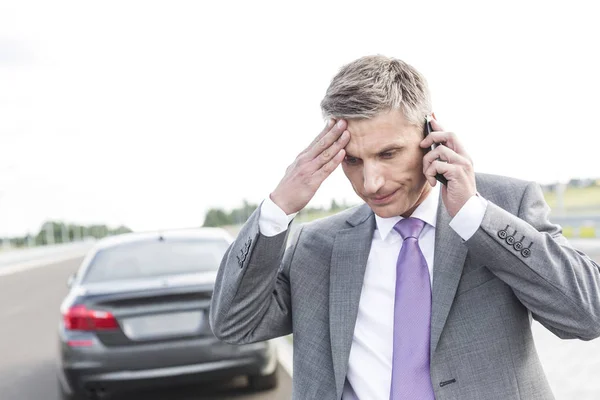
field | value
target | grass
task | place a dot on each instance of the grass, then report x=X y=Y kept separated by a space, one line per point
x=568 y=231
x=587 y=232
x=577 y=200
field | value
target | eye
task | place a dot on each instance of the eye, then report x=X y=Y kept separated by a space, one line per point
x=351 y=160
x=387 y=154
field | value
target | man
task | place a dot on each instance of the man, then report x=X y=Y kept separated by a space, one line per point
x=425 y=291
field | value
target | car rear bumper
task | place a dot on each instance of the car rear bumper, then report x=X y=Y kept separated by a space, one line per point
x=84 y=377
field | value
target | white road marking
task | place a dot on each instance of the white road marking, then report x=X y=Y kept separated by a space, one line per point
x=25 y=266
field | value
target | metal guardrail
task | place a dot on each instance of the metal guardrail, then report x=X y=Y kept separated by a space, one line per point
x=19 y=256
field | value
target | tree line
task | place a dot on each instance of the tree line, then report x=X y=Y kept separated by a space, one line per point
x=52 y=232
x=217 y=217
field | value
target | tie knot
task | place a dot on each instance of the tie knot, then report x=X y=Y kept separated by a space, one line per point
x=409 y=227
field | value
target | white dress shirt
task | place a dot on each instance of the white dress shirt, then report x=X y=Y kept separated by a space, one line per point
x=370 y=363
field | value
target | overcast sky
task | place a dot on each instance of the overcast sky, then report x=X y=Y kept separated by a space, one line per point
x=146 y=113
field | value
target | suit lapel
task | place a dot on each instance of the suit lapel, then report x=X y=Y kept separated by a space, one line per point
x=449 y=258
x=348 y=262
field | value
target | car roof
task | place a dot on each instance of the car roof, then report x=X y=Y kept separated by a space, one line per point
x=191 y=233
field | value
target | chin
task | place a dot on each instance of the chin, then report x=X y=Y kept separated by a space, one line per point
x=387 y=211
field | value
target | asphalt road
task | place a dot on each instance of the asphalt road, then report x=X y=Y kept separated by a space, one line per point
x=29 y=313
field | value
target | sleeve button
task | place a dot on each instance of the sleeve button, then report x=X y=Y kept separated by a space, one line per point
x=502 y=234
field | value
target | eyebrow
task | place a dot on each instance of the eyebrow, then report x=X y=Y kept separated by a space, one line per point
x=383 y=150
x=390 y=148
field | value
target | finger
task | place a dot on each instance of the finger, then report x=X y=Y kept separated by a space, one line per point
x=318 y=146
x=439 y=137
x=447 y=139
x=439 y=167
x=328 y=125
x=331 y=165
x=444 y=153
x=327 y=154
x=436 y=125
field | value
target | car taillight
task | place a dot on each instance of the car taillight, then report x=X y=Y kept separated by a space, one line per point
x=80 y=318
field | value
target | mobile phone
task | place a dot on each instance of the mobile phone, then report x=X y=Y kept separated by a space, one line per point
x=440 y=178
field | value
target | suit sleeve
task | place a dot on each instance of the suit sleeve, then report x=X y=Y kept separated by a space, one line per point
x=251 y=301
x=557 y=283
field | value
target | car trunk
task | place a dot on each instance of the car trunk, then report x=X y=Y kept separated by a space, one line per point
x=161 y=309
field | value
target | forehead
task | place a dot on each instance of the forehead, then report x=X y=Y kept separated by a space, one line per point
x=389 y=128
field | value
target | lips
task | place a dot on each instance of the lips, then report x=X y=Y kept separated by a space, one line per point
x=382 y=199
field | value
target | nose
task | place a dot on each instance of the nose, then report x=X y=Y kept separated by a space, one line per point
x=373 y=179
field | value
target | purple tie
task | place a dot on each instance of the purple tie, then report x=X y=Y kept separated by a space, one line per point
x=412 y=318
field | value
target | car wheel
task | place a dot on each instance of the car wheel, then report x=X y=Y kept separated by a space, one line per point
x=263 y=382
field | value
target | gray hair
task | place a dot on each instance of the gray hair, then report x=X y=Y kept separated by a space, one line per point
x=374 y=84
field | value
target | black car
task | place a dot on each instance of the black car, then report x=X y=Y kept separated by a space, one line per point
x=136 y=316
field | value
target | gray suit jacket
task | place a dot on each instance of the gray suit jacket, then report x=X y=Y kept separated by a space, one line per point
x=484 y=291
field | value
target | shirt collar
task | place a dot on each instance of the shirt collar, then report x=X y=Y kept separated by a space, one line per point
x=426 y=211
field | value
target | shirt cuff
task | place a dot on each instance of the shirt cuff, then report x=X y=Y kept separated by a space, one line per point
x=469 y=217
x=273 y=219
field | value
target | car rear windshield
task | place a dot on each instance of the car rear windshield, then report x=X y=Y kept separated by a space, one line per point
x=156 y=258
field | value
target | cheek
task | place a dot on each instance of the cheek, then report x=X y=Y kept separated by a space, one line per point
x=354 y=175
x=407 y=167
x=414 y=162
x=346 y=170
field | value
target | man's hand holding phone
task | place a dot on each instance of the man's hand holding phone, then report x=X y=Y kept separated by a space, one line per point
x=311 y=167
x=452 y=161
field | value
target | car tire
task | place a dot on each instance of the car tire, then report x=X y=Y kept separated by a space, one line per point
x=263 y=382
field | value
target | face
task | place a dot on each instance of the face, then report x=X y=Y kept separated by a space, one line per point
x=384 y=163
